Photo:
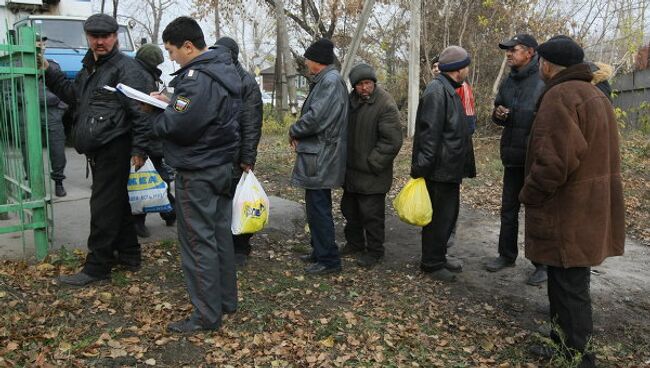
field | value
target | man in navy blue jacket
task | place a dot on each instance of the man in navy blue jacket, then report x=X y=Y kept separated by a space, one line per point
x=200 y=136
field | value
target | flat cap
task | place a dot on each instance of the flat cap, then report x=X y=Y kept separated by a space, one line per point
x=561 y=50
x=100 y=24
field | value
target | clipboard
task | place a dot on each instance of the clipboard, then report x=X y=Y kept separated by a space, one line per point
x=137 y=95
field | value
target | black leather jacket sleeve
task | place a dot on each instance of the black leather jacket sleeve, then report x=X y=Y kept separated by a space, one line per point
x=132 y=77
x=429 y=124
x=323 y=105
x=250 y=121
x=57 y=83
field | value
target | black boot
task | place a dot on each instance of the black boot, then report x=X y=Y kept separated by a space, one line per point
x=140 y=227
x=59 y=190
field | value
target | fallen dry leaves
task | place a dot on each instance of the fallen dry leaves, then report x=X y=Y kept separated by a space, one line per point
x=379 y=318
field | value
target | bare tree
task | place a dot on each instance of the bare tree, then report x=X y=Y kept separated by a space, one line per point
x=148 y=15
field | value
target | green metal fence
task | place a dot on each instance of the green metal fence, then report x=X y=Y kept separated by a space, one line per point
x=24 y=204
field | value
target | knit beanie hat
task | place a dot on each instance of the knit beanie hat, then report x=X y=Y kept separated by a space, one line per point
x=362 y=72
x=231 y=45
x=453 y=58
x=321 y=51
x=150 y=54
x=561 y=50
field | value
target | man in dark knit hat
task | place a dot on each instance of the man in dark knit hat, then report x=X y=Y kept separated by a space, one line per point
x=443 y=155
x=113 y=134
x=250 y=131
x=514 y=110
x=374 y=139
x=319 y=139
x=575 y=214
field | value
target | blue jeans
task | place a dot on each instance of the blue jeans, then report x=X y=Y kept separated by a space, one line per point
x=321 y=226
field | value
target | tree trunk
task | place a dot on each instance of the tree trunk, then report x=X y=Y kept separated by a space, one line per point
x=414 y=66
x=217 y=20
x=279 y=88
x=115 y=5
x=289 y=68
x=356 y=40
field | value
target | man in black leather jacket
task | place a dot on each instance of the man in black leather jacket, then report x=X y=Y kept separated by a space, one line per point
x=250 y=131
x=443 y=155
x=111 y=131
x=514 y=109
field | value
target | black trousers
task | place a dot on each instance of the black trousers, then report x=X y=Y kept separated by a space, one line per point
x=445 y=199
x=513 y=181
x=570 y=306
x=111 y=223
x=364 y=221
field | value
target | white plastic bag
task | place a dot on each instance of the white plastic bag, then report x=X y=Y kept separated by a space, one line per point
x=250 y=206
x=147 y=190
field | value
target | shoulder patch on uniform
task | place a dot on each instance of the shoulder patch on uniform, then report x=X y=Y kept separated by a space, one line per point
x=181 y=104
x=191 y=74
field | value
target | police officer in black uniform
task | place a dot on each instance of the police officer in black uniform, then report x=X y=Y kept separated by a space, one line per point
x=200 y=136
x=111 y=131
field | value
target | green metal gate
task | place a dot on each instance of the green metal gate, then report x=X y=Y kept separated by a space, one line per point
x=24 y=204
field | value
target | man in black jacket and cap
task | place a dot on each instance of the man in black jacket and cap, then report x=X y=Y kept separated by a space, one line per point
x=111 y=131
x=374 y=139
x=443 y=155
x=250 y=131
x=514 y=110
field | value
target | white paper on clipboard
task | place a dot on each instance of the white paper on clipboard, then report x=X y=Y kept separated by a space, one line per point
x=137 y=95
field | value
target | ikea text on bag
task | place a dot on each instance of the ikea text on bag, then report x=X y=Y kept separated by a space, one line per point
x=147 y=190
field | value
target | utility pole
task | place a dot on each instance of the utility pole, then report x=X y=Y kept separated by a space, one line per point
x=356 y=40
x=414 y=66
x=289 y=67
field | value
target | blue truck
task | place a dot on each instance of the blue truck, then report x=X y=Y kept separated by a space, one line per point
x=61 y=21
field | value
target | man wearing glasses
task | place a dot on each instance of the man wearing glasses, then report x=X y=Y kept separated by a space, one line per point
x=514 y=109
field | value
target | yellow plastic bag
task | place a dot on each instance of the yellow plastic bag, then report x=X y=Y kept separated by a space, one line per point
x=250 y=206
x=412 y=204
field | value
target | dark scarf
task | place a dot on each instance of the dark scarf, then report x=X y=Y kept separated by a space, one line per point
x=452 y=81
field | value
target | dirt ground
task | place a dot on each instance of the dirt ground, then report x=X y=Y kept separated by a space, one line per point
x=620 y=288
